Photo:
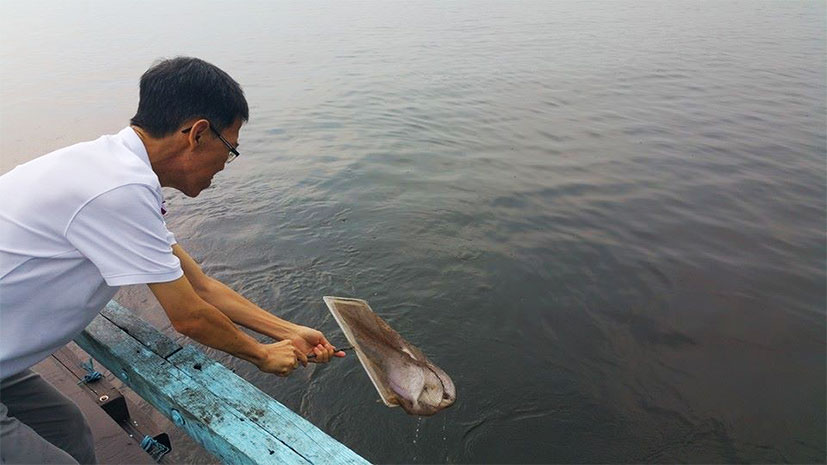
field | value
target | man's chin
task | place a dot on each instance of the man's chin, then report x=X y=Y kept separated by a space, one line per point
x=198 y=189
x=193 y=192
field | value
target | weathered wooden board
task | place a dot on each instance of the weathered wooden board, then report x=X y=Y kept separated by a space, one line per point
x=223 y=412
x=258 y=407
x=187 y=404
x=139 y=329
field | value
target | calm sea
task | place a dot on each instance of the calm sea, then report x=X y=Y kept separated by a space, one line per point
x=604 y=219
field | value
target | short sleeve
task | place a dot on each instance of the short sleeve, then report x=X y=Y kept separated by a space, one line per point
x=122 y=232
x=169 y=236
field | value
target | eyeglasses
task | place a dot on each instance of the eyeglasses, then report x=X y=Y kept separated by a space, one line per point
x=233 y=152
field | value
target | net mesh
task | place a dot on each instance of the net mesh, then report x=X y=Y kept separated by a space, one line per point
x=401 y=373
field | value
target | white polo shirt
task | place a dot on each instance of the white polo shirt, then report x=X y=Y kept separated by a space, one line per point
x=76 y=224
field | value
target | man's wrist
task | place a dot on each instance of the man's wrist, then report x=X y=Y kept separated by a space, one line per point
x=258 y=354
x=282 y=330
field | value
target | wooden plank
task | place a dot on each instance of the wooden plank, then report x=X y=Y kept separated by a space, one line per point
x=107 y=397
x=306 y=439
x=205 y=417
x=139 y=329
x=144 y=421
x=248 y=401
x=112 y=444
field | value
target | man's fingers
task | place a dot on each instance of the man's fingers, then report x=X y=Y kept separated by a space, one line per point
x=321 y=354
x=284 y=372
x=294 y=355
x=301 y=358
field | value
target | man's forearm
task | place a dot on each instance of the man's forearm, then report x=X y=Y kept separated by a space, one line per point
x=237 y=308
x=214 y=329
x=243 y=312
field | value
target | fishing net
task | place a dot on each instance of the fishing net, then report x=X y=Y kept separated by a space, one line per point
x=402 y=374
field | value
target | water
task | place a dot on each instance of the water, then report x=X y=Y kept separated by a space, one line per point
x=606 y=220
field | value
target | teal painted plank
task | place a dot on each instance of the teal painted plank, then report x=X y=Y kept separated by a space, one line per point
x=306 y=439
x=139 y=329
x=203 y=415
x=246 y=402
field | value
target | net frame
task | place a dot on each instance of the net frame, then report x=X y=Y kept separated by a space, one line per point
x=385 y=393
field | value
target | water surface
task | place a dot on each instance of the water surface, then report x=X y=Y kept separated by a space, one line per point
x=605 y=220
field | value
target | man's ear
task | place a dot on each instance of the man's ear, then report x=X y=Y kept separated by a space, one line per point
x=198 y=128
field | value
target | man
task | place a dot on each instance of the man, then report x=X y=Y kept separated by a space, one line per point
x=79 y=222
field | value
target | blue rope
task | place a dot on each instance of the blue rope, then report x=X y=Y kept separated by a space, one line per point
x=91 y=375
x=155 y=449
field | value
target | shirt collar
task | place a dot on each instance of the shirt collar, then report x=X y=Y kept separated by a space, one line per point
x=134 y=144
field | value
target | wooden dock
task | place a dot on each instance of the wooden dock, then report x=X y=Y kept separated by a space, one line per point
x=222 y=412
x=113 y=444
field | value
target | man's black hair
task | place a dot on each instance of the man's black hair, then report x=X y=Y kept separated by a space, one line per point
x=179 y=89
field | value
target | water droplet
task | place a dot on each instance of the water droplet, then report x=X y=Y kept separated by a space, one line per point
x=416 y=436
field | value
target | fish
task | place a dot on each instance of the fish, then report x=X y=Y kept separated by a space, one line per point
x=397 y=367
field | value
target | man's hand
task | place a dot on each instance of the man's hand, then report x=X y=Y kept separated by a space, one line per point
x=310 y=341
x=207 y=310
x=245 y=313
x=281 y=358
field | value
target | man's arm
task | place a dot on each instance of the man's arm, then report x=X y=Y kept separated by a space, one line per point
x=247 y=314
x=193 y=317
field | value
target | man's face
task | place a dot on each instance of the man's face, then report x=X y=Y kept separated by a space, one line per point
x=209 y=158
